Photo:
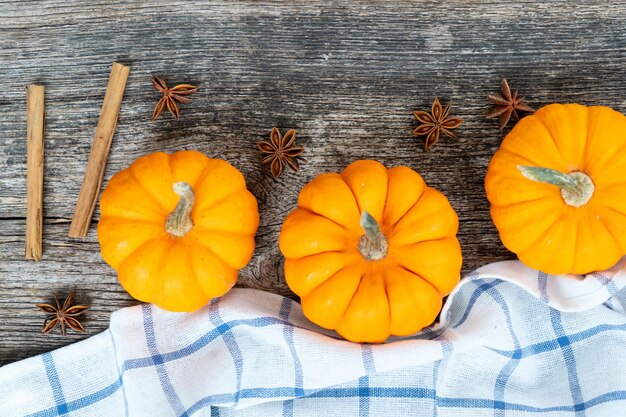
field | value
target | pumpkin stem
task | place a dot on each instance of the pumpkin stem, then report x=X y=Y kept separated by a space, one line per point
x=373 y=244
x=179 y=223
x=576 y=187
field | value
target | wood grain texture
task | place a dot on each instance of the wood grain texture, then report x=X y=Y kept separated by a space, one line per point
x=346 y=75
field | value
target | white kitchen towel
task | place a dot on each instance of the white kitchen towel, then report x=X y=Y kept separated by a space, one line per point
x=511 y=342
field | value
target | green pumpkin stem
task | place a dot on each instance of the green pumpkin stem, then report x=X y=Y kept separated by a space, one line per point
x=576 y=187
x=179 y=223
x=373 y=244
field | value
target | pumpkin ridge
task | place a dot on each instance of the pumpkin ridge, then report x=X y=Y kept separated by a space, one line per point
x=615 y=210
x=218 y=202
x=577 y=248
x=228 y=283
x=147 y=191
x=129 y=219
x=225 y=232
x=161 y=288
x=417 y=276
x=331 y=251
x=363 y=277
x=303 y=292
x=610 y=231
x=534 y=200
x=402 y=245
x=356 y=198
x=586 y=143
x=539 y=237
x=129 y=258
x=399 y=265
x=607 y=183
x=540 y=120
x=137 y=249
x=392 y=226
x=505 y=231
x=330 y=220
x=385 y=286
x=517 y=155
x=606 y=157
x=201 y=243
x=207 y=170
x=504 y=145
x=350 y=265
x=587 y=146
x=581 y=157
x=202 y=176
x=194 y=275
x=394 y=232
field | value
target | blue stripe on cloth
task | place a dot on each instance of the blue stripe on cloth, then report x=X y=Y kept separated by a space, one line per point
x=55 y=384
x=285 y=309
x=82 y=402
x=215 y=412
x=480 y=289
x=482 y=403
x=157 y=359
x=391 y=392
x=229 y=340
x=364 y=396
x=570 y=360
x=606 y=281
x=214 y=334
x=204 y=340
x=506 y=372
x=446 y=350
x=288 y=408
x=553 y=344
x=130 y=364
x=367 y=355
x=374 y=392
x=543 y=286
x=120 y=373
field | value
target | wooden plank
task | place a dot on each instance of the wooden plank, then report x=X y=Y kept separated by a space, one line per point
x=346 y=75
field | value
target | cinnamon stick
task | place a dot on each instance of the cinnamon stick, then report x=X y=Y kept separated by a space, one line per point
x=34 y=170
x=99 y=154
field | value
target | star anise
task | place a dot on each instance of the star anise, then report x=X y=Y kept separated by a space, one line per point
x=507 y=104
x=63 y=315
x=280 y=151
x=170 y=97
x=435 y=123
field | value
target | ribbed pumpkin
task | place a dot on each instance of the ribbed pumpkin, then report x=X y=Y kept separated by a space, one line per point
x=371 y=251
x=177 y=228
x=557 y=188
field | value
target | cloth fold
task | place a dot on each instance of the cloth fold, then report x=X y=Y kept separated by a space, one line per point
x=511 y=342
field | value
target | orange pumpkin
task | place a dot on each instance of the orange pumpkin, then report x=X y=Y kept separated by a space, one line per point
x=557 y=187
x=177 y=228
x=371 y=251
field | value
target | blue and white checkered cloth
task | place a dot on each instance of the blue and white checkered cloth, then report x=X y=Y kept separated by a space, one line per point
x=512 y=342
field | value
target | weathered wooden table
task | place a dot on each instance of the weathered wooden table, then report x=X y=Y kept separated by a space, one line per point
x=347 y=76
